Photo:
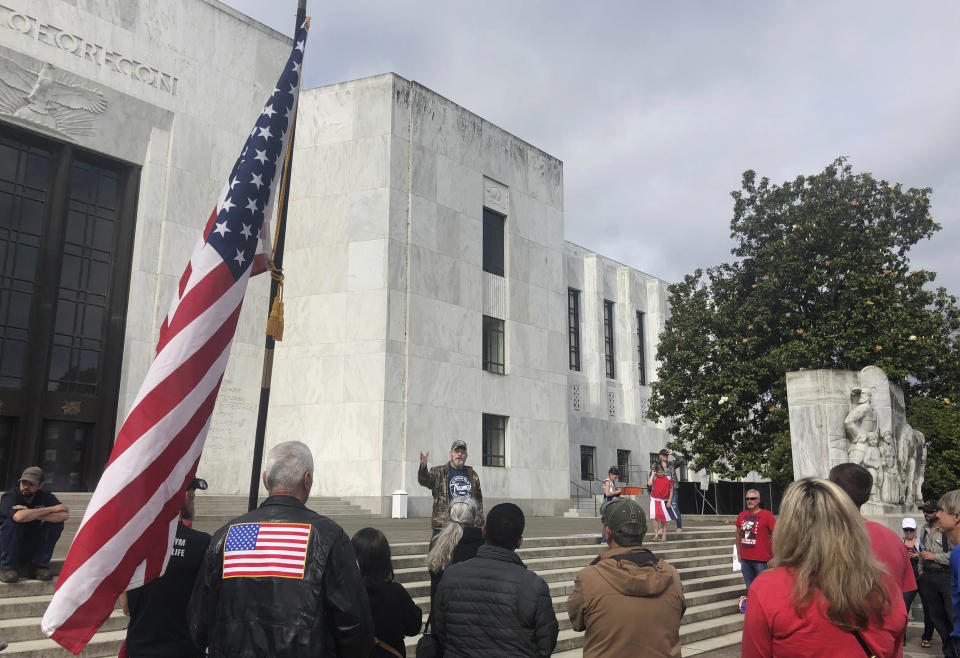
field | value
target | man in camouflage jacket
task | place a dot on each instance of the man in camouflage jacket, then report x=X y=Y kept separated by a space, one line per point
x=451 y=480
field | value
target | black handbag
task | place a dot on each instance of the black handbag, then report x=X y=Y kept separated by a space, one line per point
x=428 y=646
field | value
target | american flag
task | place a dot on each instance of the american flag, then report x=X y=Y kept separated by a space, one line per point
x=125 y=537
x=266 y=549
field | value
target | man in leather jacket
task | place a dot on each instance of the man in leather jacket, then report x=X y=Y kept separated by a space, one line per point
x=306 y=600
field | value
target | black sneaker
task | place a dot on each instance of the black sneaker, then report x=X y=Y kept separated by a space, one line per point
x=43 y=573
x=9 y=576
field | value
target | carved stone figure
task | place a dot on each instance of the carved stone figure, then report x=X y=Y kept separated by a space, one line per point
x=860 y=424
x=50 y=98
x=839 y=416
x=873 y=462
x=890 y=490
x=915 y=463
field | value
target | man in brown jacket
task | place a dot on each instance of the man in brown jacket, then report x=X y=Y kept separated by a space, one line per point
x=629 y=601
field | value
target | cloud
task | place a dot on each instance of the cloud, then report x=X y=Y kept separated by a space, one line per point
x=656 y=109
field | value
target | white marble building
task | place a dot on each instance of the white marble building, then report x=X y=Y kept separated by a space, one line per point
x=428 y=284
x=160 y=96
x=384 y=353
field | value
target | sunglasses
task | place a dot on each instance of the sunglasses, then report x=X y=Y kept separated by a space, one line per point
x=909 y=529
x=753 y=497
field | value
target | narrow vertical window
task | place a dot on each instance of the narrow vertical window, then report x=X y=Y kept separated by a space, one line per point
x=573 y=322
x=588 y=468
x=493 y=242
x=623 y=464
x=641 y=350
x=608 y=338
x=493 y=354
x=494 y=440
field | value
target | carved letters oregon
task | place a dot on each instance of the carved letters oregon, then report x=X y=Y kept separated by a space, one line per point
x=76 y=45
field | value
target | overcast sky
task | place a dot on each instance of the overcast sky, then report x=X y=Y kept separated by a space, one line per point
x=656 y=108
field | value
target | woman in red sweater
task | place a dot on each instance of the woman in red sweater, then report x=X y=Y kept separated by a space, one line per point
x=827 y=594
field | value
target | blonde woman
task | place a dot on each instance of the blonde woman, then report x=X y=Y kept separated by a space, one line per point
x=457 y=541
x=826 y=594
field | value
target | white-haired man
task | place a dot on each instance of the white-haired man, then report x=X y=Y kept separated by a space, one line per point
x=282 y=580
x=948 y=516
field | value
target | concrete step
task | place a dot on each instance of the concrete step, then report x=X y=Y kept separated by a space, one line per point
x=106 y=643
x=569 y=639
x=689 y=648
x=559 y=591
x=559 y=568
x=24 y=629
x=721 y=533
x=670 y=551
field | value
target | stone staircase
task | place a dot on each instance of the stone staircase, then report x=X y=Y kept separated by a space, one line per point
x=701 y=555
x=584 y=507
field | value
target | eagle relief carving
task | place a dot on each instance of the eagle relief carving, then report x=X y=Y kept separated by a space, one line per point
x=50 y=98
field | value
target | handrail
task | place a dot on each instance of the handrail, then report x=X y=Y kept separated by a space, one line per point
x=589 y=491
x=581 y=487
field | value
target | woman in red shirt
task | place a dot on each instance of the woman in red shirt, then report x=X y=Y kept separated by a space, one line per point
x=823 y=597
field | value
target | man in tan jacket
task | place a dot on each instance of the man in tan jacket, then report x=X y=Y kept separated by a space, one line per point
x=629 y=601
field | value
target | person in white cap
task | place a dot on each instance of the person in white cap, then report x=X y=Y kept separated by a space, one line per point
x=913 y=547
x=31 y=521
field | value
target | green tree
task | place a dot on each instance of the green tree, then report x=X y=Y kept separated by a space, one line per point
x=821 y=280
x=939 y=420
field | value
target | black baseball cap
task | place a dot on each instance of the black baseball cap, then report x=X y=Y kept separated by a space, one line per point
x=930 y=506
x=459 y=443
x=198 y=483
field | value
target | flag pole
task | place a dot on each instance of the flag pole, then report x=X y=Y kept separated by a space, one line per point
x=276 y=281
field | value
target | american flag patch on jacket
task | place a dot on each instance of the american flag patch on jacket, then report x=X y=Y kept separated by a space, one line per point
x=256 y=550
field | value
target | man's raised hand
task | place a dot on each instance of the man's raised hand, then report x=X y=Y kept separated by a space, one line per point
x=423 y=457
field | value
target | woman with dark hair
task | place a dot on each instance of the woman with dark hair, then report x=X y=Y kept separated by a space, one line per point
x=394 y=612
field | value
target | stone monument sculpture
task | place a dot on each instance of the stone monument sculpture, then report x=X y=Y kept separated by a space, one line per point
x=839 y=416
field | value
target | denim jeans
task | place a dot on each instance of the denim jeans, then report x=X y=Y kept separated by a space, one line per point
x=27 y=543
x=675 y=506
x=750 y=570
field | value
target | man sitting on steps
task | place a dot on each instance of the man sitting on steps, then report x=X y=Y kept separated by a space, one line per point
x=31 y=521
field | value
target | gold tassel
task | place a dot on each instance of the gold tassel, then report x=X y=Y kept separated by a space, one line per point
x=275 y=321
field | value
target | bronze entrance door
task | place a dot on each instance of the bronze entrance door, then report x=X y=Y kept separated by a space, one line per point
x=66 y=233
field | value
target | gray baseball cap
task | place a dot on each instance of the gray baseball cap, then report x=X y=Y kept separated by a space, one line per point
x=32 y=474
x=621 y=512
